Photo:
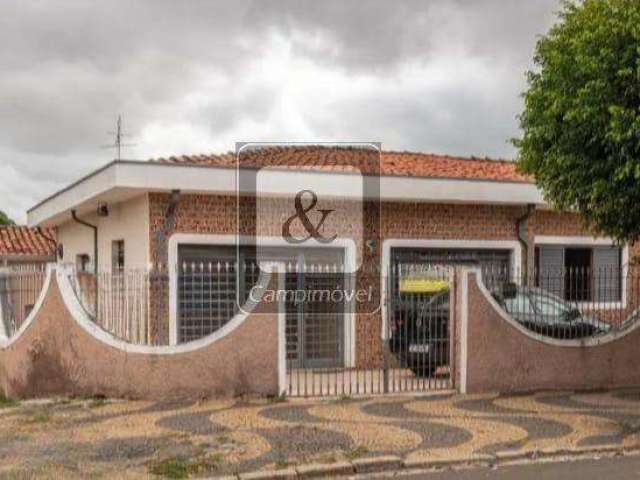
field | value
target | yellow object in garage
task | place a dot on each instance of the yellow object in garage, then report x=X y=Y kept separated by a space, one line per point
x=423 y=285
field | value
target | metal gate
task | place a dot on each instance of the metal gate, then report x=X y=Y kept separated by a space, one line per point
x=315 y=325
x=332 y=351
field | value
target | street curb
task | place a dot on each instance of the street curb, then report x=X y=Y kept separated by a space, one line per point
x=507 y=456
x=393 y=463
x=451 y=462
x=377 y=464
x=285 y=474
x=315 y=470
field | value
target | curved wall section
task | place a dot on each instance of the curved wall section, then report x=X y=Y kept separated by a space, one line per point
x=499 y=355
x=56 y=355
x=80 y=315
x=4 y=341
x=582 y=342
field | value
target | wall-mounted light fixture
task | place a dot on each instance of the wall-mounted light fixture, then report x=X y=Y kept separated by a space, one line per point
x=103 y=210
x=371 y=245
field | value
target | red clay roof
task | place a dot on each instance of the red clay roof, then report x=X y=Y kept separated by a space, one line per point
x=406 y=164
x=18 y=240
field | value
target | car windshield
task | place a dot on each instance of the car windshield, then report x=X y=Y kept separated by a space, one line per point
x=520 y=303
x=547 y=305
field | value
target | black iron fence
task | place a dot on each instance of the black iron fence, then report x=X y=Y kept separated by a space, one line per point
x=335 y=342
x=569 y=303
x=336 y=346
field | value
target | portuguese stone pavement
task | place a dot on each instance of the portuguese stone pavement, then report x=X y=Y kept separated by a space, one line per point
x=97 y=437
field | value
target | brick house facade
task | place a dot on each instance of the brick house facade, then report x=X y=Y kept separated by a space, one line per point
x=435 y=199
x=214 y=214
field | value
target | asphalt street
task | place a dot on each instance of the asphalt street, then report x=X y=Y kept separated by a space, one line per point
x=617 y=468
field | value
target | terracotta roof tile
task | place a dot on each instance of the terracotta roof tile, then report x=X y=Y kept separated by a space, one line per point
x=406 y=164
x=19 y=240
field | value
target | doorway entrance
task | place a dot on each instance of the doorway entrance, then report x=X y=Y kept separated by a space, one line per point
x=314 y=314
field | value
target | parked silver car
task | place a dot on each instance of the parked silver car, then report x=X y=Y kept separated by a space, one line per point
x=546 y=314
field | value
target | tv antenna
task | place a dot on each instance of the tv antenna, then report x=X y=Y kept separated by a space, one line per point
x=119 y=134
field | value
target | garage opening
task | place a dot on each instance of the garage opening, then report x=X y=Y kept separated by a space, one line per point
x=419 y=313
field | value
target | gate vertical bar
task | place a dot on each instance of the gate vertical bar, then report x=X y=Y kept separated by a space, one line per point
x=453 y=318
x=386 y=334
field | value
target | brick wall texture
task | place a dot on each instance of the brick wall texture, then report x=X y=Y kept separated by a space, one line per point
x=213 y=214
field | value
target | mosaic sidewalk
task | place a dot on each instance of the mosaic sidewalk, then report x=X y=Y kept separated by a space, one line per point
x=80 y=438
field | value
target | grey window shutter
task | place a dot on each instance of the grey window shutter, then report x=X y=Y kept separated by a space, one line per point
x=607 y=274
x=551 y=269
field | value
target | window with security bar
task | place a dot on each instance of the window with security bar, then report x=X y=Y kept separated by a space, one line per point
x=212 y=278
x=579 y=273
x=117 y=255
x=210 y=282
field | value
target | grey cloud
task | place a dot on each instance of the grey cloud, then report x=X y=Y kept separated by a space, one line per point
x=374 y=34
x=69 y=67
x=466 y=120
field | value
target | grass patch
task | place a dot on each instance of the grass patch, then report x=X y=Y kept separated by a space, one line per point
x=225 y=439
x=97 y=403
x=171 y=468
x=282 y=463
x=40 y=418
x=281 y=398
x=327 y=459
x=6 y=402
x=357 y=452
x=184 y=468
x=344 y=398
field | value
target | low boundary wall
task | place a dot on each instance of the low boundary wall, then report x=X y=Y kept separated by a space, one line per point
x=58 y=353
x=499 y=355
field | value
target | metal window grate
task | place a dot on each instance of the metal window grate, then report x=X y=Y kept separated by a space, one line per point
x=209 y=293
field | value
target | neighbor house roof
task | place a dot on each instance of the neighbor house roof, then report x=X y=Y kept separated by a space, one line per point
x=405 y=164
x=20 y=240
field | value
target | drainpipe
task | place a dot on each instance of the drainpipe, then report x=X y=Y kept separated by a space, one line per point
x=169 y=225
x=522 y=224
x=95 y=256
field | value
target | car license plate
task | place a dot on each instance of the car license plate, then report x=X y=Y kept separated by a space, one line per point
x=418 y=348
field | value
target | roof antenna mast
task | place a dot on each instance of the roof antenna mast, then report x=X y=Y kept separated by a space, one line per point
x=119 y=134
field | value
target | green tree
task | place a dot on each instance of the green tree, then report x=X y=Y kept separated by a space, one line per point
x=581 y=120
x=4 y=219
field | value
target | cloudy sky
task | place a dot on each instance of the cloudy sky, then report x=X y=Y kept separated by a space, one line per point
x=194 y=77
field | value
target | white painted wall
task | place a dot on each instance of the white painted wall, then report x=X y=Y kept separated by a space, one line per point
x=128 y=221
x=125 y=177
